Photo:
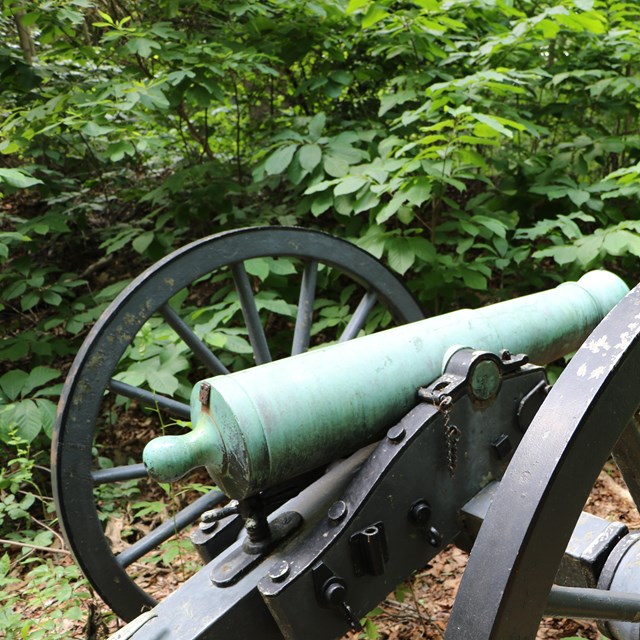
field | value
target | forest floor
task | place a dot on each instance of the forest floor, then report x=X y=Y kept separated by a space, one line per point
x=419 y=609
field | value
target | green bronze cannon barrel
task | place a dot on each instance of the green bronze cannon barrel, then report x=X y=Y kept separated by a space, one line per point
x=258 y=427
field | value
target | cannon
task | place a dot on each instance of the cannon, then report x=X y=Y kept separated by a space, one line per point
x=341 y=469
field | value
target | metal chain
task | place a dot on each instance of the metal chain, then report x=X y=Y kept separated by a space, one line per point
x=451 y=433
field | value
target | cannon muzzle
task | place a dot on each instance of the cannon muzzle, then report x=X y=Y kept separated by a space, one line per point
x=259 y=427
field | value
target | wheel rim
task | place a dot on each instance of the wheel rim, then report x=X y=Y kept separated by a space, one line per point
x=515 y=557
x=92 y=371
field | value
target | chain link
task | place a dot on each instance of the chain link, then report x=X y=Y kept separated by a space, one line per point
x=451 y=433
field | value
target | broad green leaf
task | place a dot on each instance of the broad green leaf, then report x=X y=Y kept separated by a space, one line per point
x=26 y=418
x=578 y=196
x=29 y=300
x=309 y=156
x=423 y=249
x=375 y=13
x=342 y=77
x=391 y=207
x=419 y=191
x=47 y=411
x=368 y=200
x=391 y=100
x=334 y=166
x=38 y=377
x=282 y=266
x=18 y=178
x=316 y=125
x=280 y=159
x=588 y=249
x=474 y=279
x=320 y=186
x=141 y=243
x=277 y=306
x=93 y=129
x=349 y=185
x=13 y=382
x=321 y=203
x=492 y=224
x=400 y=254
x=142 y=46
x=117 y=150
x=355 y=5
x=162 y=381
x=619 y=241
x=493 y=124
x=52 y=298
x=258 y=267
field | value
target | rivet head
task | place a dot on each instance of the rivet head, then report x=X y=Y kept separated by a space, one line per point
x=337 y=511
x=279 y=571
x=396 y=434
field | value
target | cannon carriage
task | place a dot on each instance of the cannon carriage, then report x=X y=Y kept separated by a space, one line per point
x=342 y=469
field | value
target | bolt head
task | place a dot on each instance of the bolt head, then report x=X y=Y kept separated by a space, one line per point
x=337 y=511
x=279 y=571
x=420 y=512
x=502 y=446
x=396 y=433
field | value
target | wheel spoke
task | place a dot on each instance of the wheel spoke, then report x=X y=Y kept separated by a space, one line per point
x=302 y=331
x=250 y=312
x=359 y=316
x=119 y=474
x=173 y=407
x=167 y=529
x=199 y=348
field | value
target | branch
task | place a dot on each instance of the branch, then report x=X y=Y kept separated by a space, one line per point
x=15 y=543
x=26 y=41
x=195 y=134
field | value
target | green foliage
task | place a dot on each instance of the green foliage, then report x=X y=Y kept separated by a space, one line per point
x=60 y=593
x=26 y=409
x=480 y=148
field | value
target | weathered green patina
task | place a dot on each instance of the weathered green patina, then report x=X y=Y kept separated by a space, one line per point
x=267 y=424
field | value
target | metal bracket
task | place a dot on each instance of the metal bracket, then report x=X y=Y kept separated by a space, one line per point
x=239 y=562
x=404 y=498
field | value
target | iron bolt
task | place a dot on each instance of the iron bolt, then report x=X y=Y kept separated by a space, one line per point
x=396 y=434
x=279 y=571
x=505 y=354
x=337 y=511
x=420 y=512
x=435 y=537
x=501 y=445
